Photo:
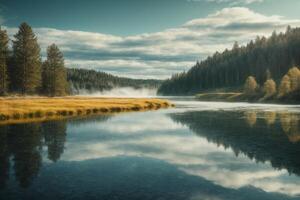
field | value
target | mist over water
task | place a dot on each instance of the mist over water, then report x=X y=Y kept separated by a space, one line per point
x=121 y=92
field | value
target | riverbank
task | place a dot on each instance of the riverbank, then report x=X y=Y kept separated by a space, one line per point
x=31 y=109
x=224 y=96
x=241 y=97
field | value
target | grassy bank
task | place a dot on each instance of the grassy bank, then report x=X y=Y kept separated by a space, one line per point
x=30 y=109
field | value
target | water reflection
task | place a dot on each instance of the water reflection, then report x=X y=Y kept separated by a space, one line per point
x=23 y=143
x=290 y=125
x=289 y=122
x=55 y=138
x=4 y=157
x=251 y=118
x=270 y=117
x=208 y=154
x=277 y=142
x=176 y=144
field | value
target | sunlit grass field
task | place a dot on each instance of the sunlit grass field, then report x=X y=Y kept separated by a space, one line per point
x=29 y=109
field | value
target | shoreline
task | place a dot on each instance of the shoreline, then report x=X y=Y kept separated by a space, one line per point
x=15 y=110
x=235 y=97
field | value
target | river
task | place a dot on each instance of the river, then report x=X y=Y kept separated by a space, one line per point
x=196 y=151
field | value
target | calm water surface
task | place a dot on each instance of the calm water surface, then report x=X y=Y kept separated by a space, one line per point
x=196 y=151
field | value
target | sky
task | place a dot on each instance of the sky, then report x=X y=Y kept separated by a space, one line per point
x=146 y=39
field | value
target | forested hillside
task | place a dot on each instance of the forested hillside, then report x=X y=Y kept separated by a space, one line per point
x=98 y=81
x=262 y=58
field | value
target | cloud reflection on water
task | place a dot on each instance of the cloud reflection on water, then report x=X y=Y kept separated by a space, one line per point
x=162 y=138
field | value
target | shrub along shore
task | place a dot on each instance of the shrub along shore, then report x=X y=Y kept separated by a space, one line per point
x=31 y=109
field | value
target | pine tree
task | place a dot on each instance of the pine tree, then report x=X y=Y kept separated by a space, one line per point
x=54 y=73
x=26 y=55
x=46 y=81
x=231 y=67
x=3 y=62
x=235 y=46
x=268 y=74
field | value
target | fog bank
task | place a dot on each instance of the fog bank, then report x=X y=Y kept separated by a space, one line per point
x=121 y=92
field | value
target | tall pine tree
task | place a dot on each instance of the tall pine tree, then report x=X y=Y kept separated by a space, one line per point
x=27 y=61
x=3 y=62
x=54 y=73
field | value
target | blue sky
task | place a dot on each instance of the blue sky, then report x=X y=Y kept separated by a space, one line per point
x=146 y=39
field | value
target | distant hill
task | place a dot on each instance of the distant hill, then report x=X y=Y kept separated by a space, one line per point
x=261 y=58
x=92 y=80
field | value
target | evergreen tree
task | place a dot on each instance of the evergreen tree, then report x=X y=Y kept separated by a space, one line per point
x=235 y=46
x=27 y=61
x=268 y=74
x=3 y=62
x=261 y=58
x=54 y=73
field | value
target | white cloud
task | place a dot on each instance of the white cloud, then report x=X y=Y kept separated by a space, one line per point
x=243 y=16
x=160 y=54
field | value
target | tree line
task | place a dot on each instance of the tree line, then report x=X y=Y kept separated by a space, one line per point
x=22 y=70
x=289 y=86
x=259 y=58
x=91 y=80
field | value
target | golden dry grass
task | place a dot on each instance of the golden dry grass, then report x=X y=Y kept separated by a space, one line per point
x=29 y=109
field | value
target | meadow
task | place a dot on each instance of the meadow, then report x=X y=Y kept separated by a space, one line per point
x=31 y=109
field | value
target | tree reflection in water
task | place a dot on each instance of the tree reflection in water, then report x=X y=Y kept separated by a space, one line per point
x=289 y=122
x=4 y=156
x=23 y=144
x=260 y=135
x=263 y=136
x=270 y=117
x=251 y=118
x=290 y=125
x=55 y=138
